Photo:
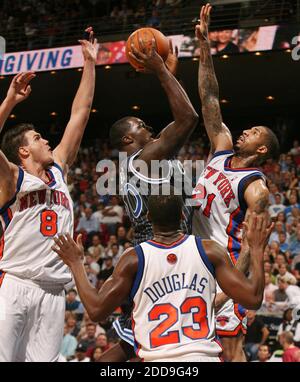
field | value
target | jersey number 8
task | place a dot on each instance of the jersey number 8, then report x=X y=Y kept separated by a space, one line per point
x=48 y=223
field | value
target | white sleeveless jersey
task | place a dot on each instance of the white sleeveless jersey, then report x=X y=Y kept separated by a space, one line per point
x=219 y=197
x=36 y=214
x=173 y=296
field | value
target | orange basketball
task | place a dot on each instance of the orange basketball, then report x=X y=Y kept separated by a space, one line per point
x=146 y=35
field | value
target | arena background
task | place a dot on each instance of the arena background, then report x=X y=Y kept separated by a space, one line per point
x=255 y=88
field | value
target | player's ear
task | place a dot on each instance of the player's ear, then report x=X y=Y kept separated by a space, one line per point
x=262 y=150
x=24 y=152
x=127 y=140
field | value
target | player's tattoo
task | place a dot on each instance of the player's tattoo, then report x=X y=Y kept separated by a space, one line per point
x=209 y=91
x=262 y=202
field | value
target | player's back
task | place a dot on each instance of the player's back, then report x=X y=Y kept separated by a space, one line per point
x=37 y=213
x=219 y=197
x=173 y=295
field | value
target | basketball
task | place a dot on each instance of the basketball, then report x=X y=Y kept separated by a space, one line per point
x=146 y=35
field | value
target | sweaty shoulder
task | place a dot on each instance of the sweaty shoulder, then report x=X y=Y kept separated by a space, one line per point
x=129 y=260
x=257 y=196
x=214 y=251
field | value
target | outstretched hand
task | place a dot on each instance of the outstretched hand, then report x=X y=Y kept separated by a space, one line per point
x=258 y=230
x=149 y=59
x=90 y=46
x=69 y=251
x=201 y=30
x=20 y=89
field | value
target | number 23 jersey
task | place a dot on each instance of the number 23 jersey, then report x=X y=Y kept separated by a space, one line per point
x=173 y=296
x=37 y=213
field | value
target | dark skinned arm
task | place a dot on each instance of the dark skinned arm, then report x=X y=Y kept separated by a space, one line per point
x=115 y=289
x=176 y=133
x=257 y=198
x=246 y=291
x=218 y=133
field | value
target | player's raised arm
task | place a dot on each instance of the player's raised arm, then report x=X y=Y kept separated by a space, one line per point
x=185 y=117
x=246 y=291
x=18 y=91
x=66 y=152
x=8 y=179
x=113 y=292
x=219 y=135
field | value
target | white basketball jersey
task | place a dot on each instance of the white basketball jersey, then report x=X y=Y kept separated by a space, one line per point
x=219 y=197
x=173 y=296
x=36 y=214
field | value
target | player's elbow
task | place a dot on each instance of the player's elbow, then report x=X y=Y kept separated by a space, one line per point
x=254 y=303
x=96 y=315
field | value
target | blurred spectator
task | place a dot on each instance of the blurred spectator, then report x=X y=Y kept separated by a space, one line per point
x=289 y=325
x=154 y=20
x=291 y=352
x=293 y=203
x=80 y=355
x=294 y=242
x=257 y=334
x=115 y=252
x=292 y=291
x=263 y=353
x=107 y=271
x=277 y=207
x=96 y=250
x=69 y=344
x=284 y=274
x=269 y=289
x=96 y=355
x=72 y=303
x=121 y=235
x=88 y=223
x=112 y=215
x=72 y=325
x=89 y=339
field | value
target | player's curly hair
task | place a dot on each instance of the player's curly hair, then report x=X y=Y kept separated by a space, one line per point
x=13 y=139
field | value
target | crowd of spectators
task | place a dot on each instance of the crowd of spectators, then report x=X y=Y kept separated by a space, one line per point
x=47 y=23
x=273 y=331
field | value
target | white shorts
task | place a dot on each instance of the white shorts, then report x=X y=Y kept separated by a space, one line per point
x=231 y=320
x=31 y=320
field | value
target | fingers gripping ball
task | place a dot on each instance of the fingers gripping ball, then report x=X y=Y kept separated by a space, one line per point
x=147 y=35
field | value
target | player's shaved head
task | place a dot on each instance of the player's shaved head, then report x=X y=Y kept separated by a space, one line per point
x=118 y=130
x=13 y=139
x=165 y=210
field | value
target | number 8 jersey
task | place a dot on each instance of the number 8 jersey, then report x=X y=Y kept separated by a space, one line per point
x=173 y=296
x=38 y=212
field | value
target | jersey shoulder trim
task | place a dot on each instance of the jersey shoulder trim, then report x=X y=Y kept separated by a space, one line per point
x=145 y=178
x=19 y=184
x=204 y=257
x=168 y=246
x=59 y=168
x=227 y=167
x=140 y=271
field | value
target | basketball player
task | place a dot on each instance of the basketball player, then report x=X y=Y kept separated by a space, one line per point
x=35 y=205
x=172 y=282
x=132 y=136
x=229 y=186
